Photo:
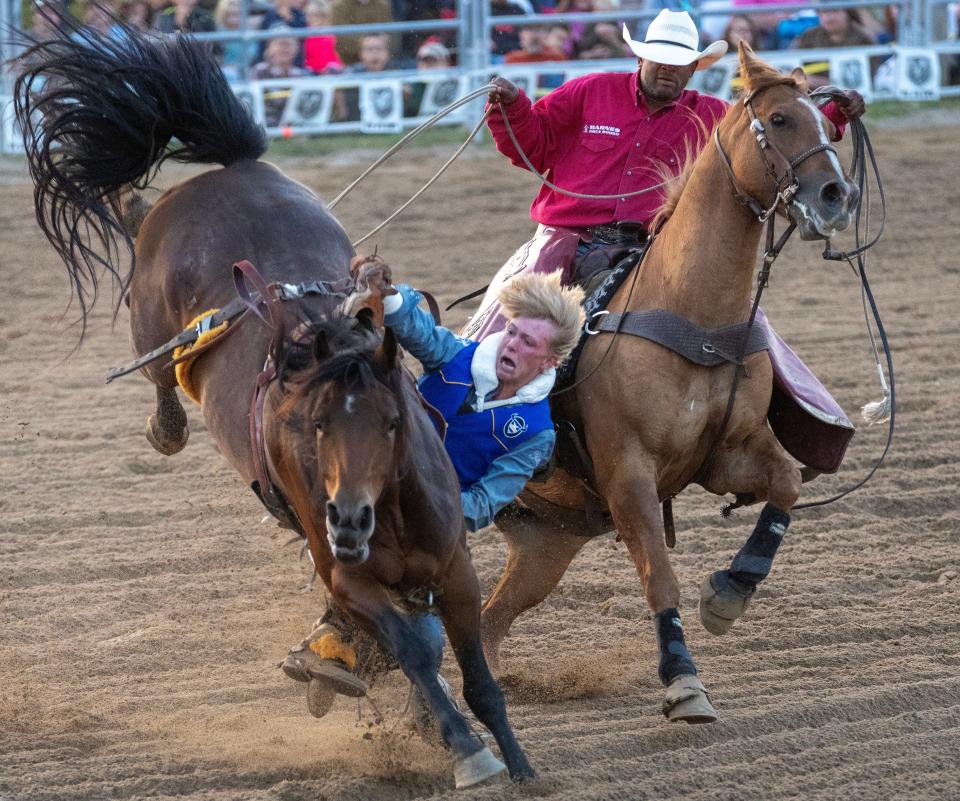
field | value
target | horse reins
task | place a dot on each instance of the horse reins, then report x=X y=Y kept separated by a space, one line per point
x=786 y=186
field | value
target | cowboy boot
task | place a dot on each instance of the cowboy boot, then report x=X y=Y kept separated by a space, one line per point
x=327 y=663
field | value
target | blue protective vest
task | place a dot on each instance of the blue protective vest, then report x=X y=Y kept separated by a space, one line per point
x=475 y=439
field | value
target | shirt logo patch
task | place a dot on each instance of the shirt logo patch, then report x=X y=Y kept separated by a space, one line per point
x=515 y=426
x=609 y=130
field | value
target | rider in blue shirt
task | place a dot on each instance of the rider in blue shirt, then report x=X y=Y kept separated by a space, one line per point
x=493 y=397
x=498 y=433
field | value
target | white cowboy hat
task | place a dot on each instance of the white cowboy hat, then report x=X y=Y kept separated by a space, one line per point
x=672 y=38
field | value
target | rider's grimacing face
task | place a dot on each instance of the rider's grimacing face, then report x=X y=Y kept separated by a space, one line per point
x=664 y=82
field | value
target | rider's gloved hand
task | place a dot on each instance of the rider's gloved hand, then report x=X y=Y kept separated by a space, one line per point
x=851 y=104
x=505 y=92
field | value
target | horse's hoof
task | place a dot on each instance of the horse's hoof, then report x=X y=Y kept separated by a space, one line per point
x=167 y=447
x=687 y=700
x=320 y=698
x=476 y=768
x=722 y=601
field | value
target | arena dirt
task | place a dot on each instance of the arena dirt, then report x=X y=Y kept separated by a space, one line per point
x=144 y=606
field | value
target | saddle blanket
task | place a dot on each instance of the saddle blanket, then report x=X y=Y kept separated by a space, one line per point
x=803 y=415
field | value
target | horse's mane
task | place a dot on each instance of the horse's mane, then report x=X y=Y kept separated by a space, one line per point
x=352 y=362
x=757 y=76
x=675 y=184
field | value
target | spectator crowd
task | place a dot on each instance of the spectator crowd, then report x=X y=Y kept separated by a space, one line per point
x=297 y=49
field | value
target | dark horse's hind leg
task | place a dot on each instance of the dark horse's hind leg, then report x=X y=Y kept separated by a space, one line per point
x=167 y=429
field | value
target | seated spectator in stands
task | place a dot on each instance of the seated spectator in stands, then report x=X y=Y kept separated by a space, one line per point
x=374 y=54
x=577 y=29
x=559 y=38
x=279 y=62
x=505 y=38
x=432 y=55
x=235 y=54
x=283 y=14
x=766 y=22
x=357 y=12
x=837 y=28
x=875 y=26
x=533 y=47
x=740 y=28
x=184 y=16
x=288 y=13
x=415 y=11
x=374 y=57
x=603 y=40
x=320 y=52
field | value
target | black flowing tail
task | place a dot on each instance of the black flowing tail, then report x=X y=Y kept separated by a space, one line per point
x=100 y=114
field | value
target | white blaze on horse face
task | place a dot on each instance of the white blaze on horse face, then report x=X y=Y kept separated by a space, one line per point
x=816 y=226
x=818 y=120
x=349 y=404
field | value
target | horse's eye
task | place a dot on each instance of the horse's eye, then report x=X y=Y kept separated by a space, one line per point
x=778 y=120
x=318 y=424
x=393 y=426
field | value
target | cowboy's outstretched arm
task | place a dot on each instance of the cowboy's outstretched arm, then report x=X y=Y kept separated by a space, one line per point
x=504 y=480
x=431 y=344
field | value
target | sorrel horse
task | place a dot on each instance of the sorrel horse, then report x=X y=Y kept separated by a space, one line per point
x=346 y=442
x=654 y=421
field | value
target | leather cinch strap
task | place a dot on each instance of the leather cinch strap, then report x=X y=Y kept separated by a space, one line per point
x=704 y=346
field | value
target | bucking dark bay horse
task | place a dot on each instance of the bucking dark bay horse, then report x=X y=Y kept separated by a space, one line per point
x=654 y=421
x=342 y=427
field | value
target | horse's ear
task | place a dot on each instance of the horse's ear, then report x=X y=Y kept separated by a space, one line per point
x=365 y=318
x=388 y=350
x=321 y=346
x=753 y=71
x=801 y=78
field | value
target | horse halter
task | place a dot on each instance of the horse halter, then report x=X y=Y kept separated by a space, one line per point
x=786 y=184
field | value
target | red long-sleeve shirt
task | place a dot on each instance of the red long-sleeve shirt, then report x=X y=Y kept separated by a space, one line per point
x=597 y=136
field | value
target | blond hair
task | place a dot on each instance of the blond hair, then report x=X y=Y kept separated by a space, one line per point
x=541 y=297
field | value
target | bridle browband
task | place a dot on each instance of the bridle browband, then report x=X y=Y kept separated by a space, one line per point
x=786 y=183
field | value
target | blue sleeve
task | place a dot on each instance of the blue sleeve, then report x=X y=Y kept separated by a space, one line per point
x=504 y=480
x=432 y=345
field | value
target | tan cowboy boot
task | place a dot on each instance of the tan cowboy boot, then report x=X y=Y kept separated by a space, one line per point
x=327 y=662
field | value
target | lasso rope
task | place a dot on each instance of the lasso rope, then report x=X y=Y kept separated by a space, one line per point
x=409 y=137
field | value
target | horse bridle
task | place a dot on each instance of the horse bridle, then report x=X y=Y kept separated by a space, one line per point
x=786 y=184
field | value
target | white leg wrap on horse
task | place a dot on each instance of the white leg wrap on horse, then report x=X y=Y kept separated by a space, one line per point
x=476 y=768
x=687 y=700
x=722 y=601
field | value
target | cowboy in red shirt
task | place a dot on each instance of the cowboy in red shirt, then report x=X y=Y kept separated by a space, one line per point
x=611 y=134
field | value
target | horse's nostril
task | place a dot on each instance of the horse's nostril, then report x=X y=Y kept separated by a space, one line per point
x=366 y=518
x=833 y=193
x=332 y=514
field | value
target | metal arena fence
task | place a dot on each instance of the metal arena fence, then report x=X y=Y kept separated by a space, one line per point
x=922 y=63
